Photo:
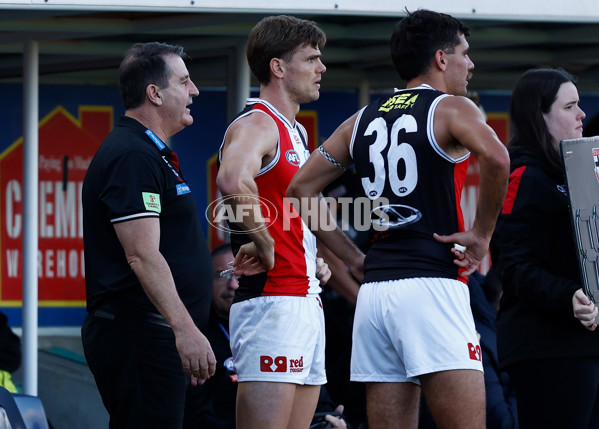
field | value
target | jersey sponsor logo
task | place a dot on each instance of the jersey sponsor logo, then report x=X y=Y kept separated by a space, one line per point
x=151 y=201
x=182 y=188
x=281 y=364
x=474 y=352
x=402 y=101
x=292 y=157
x=394 y=216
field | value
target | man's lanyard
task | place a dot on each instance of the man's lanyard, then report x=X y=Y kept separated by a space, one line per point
x=167 y=155
x=225 y=331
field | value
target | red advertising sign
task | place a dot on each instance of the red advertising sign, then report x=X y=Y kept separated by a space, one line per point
x=66 y=147
x=500 y=124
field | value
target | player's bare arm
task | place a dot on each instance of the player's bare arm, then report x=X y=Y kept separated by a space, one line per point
x=250 y=144
x=311 y=179
x=460 y=127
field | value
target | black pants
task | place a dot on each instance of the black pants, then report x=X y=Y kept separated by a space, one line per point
x=137 y=370
x=557 y=393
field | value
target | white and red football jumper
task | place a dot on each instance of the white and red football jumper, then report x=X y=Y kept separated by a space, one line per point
x=295 y=245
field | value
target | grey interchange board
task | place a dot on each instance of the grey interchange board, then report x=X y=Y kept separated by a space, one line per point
x=581 y=161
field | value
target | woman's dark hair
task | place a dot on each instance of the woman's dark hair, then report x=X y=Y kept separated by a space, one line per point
x=279 y=37
x=418 y=36
x=534 y=93
x=144 y=64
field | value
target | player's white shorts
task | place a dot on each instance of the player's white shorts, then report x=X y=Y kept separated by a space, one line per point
x=407 y=328
x=279 y=338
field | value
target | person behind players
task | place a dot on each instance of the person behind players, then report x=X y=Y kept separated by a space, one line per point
x=546 y=332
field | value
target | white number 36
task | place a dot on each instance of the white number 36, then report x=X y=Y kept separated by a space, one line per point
x=397 y=151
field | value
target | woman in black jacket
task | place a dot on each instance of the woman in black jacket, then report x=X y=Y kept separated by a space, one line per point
x=547 y=337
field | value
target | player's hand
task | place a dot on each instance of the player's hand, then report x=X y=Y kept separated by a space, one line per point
x=323 y=273
x=336 y=422
x=250 y=260
x=585 y=310
x=471 y=257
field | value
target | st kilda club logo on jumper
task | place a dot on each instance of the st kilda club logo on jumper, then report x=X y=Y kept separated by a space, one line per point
x=281 y=364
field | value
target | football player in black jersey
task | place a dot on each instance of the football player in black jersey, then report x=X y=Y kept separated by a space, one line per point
x=413 y=328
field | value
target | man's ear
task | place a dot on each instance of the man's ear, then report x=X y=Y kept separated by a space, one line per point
x=440 y=60
x=153 y=94
x=277 y=67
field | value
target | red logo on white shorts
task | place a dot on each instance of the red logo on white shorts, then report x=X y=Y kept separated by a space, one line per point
x=296 y=365
x=280 y=364
x=269 y=364
x=474 y=351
